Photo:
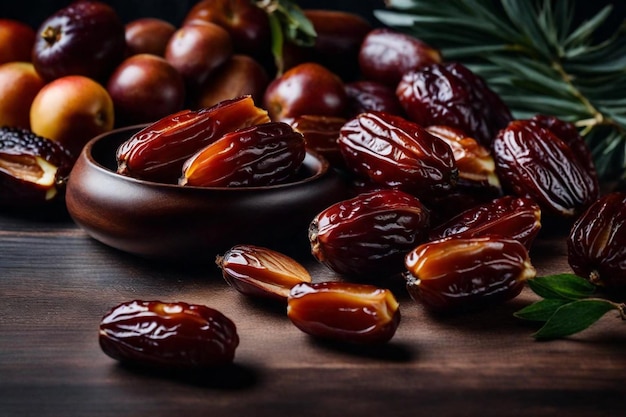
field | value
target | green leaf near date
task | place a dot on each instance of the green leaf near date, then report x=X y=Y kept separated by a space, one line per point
x=568 y=306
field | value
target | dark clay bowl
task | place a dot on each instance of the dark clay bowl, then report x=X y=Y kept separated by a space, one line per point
x=174 y=223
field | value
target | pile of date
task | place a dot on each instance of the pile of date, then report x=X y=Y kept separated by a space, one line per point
x=449 y=194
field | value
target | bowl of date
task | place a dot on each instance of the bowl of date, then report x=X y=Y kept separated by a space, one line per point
x=171 y=223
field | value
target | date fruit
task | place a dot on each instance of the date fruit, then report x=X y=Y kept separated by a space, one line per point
x=33 y=169
x=168 y=335
x=533 y=162
x=596 y=245
x=320 y=135
x=386 y=55
x=450 y=94
x=345 y=312
x=254 y=156
x=517 y=218
x=158 y=151
x=261 y=272
x=393 y=151
x=371 y=96
x=458 y=274
x=367 y=236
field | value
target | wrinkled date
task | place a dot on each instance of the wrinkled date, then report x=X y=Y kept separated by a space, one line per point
x=393 y=151
x=32 y=168
x=450 y=94
x=367 y=236
x=371 y=96
x=320 y=135
x=518 y=218
x=261 y=272
x=168 y=335
x=596 y=246
x=345 y=312
x=533 y=162
x=158 y=152
x=254 y=156
x=456 y=274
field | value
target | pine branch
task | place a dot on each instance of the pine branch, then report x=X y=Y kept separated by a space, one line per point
x=533 y=56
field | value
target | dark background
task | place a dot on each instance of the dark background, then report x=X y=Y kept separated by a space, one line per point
x=34 y=12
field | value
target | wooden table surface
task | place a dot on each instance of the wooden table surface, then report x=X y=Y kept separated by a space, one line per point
x=56 y=283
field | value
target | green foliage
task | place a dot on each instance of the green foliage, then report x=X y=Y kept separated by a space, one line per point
x=536 y=59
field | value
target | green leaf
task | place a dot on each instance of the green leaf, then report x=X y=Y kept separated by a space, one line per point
x=562 y=286
x=541 y=310
x=574 y=317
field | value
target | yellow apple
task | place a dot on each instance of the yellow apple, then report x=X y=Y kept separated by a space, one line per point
x=72 y=110
x=19 y=84
x=16 y=41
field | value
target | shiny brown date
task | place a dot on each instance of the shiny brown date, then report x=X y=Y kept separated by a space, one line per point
x=254 y=156
x=320 y=135
x=450 y=94
x=533 y=162
x=33 y=169
x=596 y=245
x=345 y=312
x=386 y=54
x=518 y=218
x=168 y=335
x=455 y=274
x=390 y=150
x=158 y=151
x=367 y=236
x=261 y=272
x=366 y=96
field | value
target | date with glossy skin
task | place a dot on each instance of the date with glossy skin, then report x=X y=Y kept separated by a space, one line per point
x=393 y=151
x=386 y=54
x=344 y=312
x=365 y=96
x=459 y=274
x=596 y=245
x=367 y=236
x=320 y=135
x=450 y=94
x=261 y=272
x=518 y=218
x=255 y=156
x=533 y=162
x=168 y=335
x=158 y=151
x=32 y=168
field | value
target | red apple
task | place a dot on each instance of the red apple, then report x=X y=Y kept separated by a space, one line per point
x=240 y=75
x=72 y=110
x=16 y=41
x=307 y=88
x=85 y=38
x=196 y=50
x=19 y=84
x=247 y=24
x=148 y=35
x=145 y=88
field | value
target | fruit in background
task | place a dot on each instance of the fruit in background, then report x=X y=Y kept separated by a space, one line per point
x=386 y=54
x=85 y=38
x=197 y=49
x=338 y=41
x=144 y=88
x=364 y=96
x=247 y=24
x=148 y=35
x=308 y=88
x=19 y=84
x=71 y=110
x=16 y=41
x=239 y=76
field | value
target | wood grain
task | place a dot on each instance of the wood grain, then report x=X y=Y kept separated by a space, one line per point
x=56 y=283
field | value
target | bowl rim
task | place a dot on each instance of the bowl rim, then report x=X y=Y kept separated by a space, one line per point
x=87 y=154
